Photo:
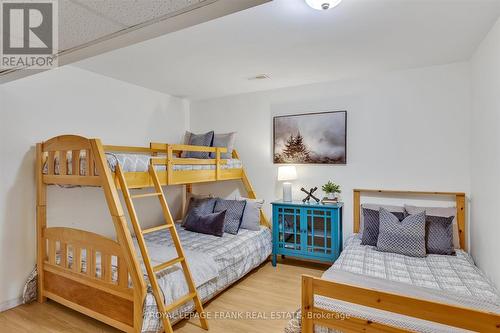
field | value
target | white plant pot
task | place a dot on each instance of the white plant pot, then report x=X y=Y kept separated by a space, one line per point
x=330 y=196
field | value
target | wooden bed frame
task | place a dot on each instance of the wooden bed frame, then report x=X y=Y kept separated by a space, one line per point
x=106 y=297
x=455 y=316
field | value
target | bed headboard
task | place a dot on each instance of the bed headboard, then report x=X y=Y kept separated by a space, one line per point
x=459 y=203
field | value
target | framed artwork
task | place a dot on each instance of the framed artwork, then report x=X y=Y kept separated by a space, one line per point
x=310 y=138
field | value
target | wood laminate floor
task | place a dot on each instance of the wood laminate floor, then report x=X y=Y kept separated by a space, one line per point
x=260 y=302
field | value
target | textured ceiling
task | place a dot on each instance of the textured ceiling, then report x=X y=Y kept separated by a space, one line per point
x=83 y=21
x=91 y=27
x=296 y=45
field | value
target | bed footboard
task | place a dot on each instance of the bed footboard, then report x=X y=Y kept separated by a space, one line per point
x=455 y=316
x=88 y=273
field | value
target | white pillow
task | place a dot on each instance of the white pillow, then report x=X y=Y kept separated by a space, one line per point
x=251 y=214
x=224 y=140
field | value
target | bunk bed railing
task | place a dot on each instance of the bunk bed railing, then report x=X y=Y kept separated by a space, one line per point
x=173 y=157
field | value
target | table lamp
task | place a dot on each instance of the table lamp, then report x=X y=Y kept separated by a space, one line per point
x=285 y=173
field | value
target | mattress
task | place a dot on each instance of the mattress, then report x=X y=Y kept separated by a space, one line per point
x=449 y=279
x=140 y=163
x=235 y=256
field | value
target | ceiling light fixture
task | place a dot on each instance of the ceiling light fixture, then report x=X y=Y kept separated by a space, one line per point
x=323 y=4
x=260 y=77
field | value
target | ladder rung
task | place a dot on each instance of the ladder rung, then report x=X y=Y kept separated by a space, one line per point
x=180 y=301
x=160 y=227
x=167 y=264
x=145 y=195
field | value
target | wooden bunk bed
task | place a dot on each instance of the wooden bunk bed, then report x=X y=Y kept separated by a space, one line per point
x=114 y=292
x=451 y=315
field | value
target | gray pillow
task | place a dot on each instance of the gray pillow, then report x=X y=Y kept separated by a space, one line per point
x=210 y=224
x=203 y=206
x=189 y=196
x=370 y=225
x=251 y=214
x=205 y=139
x=404 y=237
x=439 y=235
x=224 y=140
x=234 y=213
x=439 y=211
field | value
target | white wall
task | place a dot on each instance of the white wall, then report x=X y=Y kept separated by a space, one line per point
x=407 y=130
x=75 y=101
x=485 y=157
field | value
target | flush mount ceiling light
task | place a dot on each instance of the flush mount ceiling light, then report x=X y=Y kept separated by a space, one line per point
x=323 y=4
x=260 y=77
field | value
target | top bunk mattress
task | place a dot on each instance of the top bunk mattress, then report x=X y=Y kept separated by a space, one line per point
x=440 y=278
x=140 y=163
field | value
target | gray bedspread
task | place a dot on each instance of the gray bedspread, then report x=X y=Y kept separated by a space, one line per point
x=448 y=279
x=140 y=163
x=235 y=255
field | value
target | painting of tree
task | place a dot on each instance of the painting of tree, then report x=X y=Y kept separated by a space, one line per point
x=316 y=138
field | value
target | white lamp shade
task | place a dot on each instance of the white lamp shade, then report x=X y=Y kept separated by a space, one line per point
x=287 y=172
x=322 y=4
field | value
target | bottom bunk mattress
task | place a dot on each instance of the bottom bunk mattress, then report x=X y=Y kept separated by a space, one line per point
x=234 y=256
x=439 y=278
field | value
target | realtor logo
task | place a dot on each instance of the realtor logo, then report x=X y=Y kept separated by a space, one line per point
x=29 y=34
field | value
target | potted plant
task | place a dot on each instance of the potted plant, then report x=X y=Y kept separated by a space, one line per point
x=331 y=189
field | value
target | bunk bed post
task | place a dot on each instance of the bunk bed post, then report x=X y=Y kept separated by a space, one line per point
x=460 y=204
x=123 y=235
x=41 y=220
x=170 y=169
x=357 y=210
x=217 y=163
x=250 y=192
x=186 y=190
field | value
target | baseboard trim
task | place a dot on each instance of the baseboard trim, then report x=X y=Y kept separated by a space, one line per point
x=4 y=306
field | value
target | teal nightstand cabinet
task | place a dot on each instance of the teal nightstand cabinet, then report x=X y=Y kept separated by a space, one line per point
x=307 y=230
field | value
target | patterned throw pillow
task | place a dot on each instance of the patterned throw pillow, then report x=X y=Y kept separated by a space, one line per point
x=404 y=237
x=441 y=212
x=192 y=139
x=203 y=206
x=190 y=196
x=234 y=213
x=439 y=235
x=371 y=225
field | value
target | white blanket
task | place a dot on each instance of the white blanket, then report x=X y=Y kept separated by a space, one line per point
x=171 y=280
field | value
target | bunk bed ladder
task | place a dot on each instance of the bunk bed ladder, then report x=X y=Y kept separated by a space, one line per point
x=163 y=308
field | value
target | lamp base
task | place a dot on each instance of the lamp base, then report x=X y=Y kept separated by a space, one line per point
x=287 y=192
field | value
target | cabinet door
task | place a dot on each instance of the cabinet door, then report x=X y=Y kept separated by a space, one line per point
x=318 y=232
x=289 y=236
